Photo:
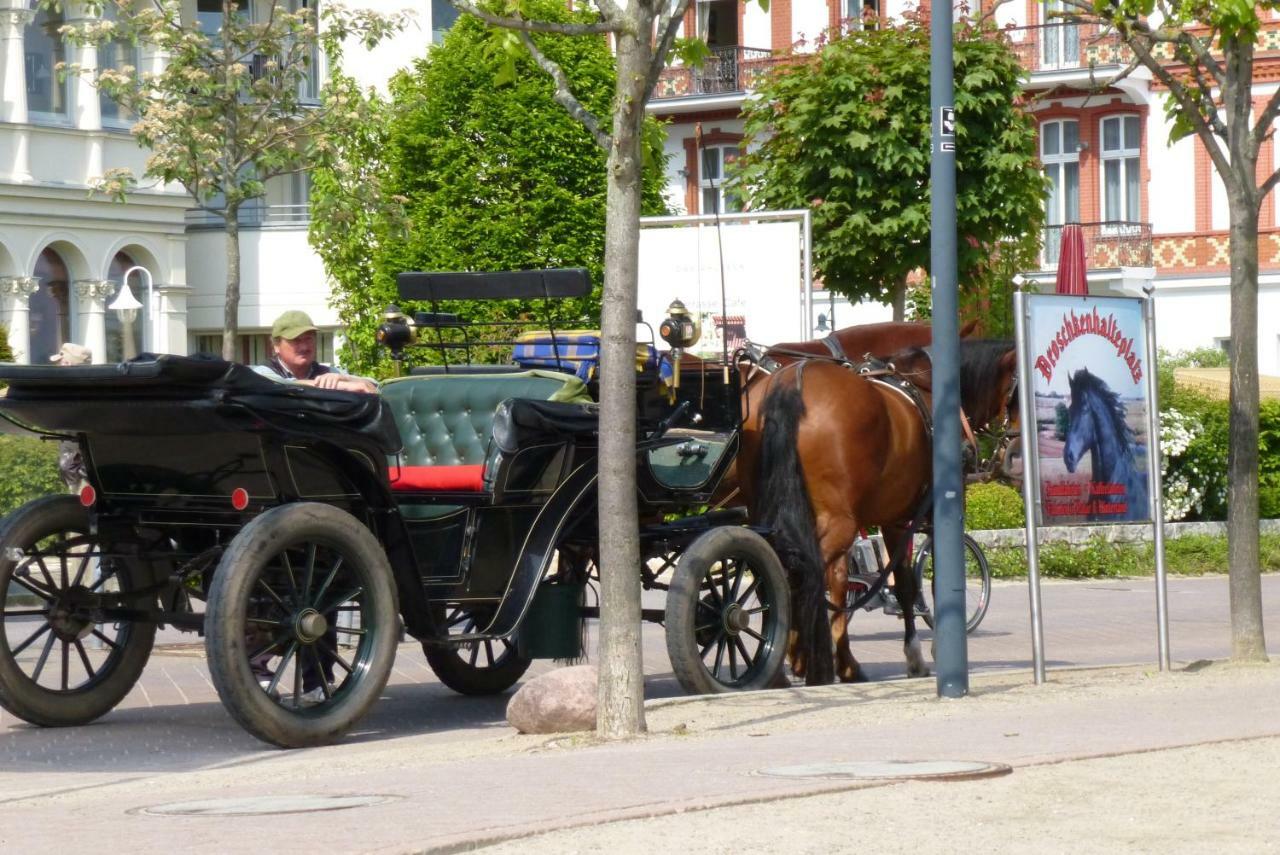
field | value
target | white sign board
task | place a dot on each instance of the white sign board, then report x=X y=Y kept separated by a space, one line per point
x=763 y=281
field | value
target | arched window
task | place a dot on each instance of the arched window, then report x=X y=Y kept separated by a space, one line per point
x=47 y=96
x=50 y=308
x=124 y=334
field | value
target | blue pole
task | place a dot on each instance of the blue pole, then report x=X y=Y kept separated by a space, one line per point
x=951 y=654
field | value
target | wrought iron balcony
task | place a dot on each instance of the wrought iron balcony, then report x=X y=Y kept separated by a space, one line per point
x=1108 y=244
x=1066 y=47
x=254 y=216
x=728 y=70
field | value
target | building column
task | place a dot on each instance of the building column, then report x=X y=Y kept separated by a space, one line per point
x=13 y=94
x=93 y=295
x=15 y=294
x=170 y=333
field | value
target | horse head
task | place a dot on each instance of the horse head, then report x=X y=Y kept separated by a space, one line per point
x=1081 y=425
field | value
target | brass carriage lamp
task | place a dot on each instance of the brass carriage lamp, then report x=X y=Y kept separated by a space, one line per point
x=680 y=330
x=395 y=333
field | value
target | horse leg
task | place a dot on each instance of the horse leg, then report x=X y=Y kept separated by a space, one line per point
x=907 y=589
x=836 y=538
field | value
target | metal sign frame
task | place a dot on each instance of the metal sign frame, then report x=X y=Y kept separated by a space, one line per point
x=1026 y=351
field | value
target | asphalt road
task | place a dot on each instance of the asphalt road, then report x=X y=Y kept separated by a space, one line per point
x=173 y=718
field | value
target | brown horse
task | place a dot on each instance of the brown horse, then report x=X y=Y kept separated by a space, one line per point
x=840 y=452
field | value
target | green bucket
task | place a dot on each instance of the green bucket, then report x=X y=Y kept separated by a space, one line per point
x=552 y=628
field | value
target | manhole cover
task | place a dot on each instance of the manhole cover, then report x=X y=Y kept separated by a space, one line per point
x=263 y=805
x=881 y=770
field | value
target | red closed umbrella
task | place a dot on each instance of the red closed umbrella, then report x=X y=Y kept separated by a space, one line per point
x=1071 y=263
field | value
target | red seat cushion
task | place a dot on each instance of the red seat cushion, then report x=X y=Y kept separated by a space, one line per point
x=460 y=478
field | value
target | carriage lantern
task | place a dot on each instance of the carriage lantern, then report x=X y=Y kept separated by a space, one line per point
x=395 y=333
x=680 y=330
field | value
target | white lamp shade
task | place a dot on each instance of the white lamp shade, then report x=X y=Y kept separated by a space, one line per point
x=124 y=300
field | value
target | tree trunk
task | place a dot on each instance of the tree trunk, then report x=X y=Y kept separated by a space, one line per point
x=900 y=301
x=1248 y=642
x=621 y=690
x=231 y=306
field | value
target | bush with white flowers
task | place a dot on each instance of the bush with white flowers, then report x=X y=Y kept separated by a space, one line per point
x=1182 y=480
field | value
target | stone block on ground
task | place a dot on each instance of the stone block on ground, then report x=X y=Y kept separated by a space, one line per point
x=559 y=701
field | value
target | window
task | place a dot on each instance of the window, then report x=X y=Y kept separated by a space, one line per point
x=255 y=348
x=1059 y=142
x=443 y=16
x=209 y=16
x=50 y=308
x=116 y=53
x=716 y=198
x=1060 y=42
x=1121 y=157
x=861 y=14
x=47 y=96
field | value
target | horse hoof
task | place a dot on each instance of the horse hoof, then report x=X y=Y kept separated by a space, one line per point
x=780 y=680
x=858 y=676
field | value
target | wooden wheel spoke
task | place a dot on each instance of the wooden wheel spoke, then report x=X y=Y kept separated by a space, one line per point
x=751 y=589
x=84 y=565
x=262 y=583
x=488 y=649
x=320 y=675
x=751 y=632
x=475 y=654
x=30 y=639
x=34 y=587
x=44 y=656
x=350 y=630
x=343 y=600
x=44 y=571
x=84 y=657
x=742 y=648
x=311 y=571
x=284 y=661
x=288 y=570
x=337 y=657
x=66 y=664
x=26 y=613
x=98 y=635
x=328 y=580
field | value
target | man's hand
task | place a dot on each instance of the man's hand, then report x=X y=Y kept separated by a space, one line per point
x=343 y=383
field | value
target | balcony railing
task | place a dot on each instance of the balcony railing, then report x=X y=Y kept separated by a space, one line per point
x=1107 y=244
x=253 y=217
x=1065 y=46
x=727 y=70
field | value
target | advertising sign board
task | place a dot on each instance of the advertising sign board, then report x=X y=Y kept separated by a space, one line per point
x=1092 y=397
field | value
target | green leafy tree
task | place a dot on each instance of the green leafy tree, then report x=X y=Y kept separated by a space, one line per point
x=846 y=133
x=1202 y=54
x=226 y=111
x=643 y=35
x=455 y=172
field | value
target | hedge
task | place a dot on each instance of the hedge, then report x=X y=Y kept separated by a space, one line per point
x=1191 y=555
x=28 y=470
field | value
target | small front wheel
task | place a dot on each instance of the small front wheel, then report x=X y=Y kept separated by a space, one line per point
x=977 y=582
x=302 y=626
x=727 y=613
x=485 y=666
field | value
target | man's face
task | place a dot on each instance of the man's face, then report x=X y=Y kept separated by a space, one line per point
x=297 y=354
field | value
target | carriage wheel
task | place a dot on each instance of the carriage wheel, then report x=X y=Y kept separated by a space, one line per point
x=977 y=582
x=727 y=613
x=59 y=664
x=302 y=624
x=484 y=667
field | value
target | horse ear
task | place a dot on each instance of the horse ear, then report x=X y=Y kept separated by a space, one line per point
x=1008 y=360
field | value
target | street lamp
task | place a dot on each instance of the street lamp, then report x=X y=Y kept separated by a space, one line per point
x=126 y=306
x=150 y=324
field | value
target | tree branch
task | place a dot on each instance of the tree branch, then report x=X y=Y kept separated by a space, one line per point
x=564 y=93
x=1262 y=128
x=1268 y=185
x=523 y=25
x=668 y=23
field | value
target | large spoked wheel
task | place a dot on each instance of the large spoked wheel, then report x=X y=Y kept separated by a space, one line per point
x=977 y=582
x=61 y=661
x=484 y=667
x=727 y=613
x=302 y=624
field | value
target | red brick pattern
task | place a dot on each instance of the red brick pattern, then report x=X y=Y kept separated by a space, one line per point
x=780 y=22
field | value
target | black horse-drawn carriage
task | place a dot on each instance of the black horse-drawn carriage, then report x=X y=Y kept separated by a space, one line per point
x=303 y=531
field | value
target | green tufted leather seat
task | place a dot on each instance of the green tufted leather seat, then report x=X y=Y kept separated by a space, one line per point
x=445 y=420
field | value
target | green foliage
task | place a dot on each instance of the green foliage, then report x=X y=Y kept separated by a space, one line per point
x=6 y=352
x=1191 y=555
x=847 y=134
x=992 y=505
x=28 y=470
x=1061 y=421
x=456 y=173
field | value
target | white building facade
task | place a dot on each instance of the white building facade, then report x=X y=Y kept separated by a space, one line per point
x=1153 y=213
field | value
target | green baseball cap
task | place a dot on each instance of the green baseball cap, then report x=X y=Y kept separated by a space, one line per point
x=290 y=325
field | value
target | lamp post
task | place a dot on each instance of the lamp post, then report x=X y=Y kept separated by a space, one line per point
x=126 y=306
x=150 y=324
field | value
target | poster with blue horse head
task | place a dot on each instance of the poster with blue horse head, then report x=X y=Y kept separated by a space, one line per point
x=1092 y=393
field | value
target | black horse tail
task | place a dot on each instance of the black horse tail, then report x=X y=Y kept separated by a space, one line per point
x=786 y=510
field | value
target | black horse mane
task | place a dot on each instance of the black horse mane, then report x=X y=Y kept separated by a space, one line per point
x=979 y=365
x=1082 y=382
